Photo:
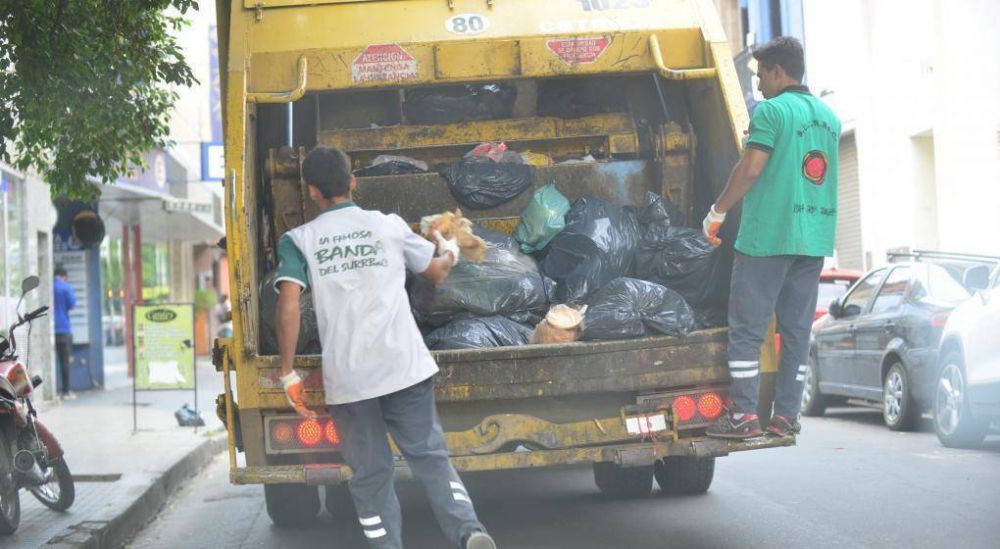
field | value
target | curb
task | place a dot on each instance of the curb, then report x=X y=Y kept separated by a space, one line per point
x=114 y=533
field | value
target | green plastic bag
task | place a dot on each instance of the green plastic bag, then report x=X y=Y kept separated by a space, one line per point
x=543 y=219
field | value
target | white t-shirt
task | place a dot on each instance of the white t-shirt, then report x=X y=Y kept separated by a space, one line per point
x=355 y=261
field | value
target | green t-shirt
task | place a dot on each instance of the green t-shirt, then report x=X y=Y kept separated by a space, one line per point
x=792 y=209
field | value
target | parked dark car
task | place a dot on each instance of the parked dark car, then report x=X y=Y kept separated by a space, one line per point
x=880 y=342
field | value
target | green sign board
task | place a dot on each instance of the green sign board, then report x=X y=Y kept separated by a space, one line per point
x=164 y=347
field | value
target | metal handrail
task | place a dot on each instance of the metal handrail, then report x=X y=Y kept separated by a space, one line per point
x=286 y=96
x=676 y=74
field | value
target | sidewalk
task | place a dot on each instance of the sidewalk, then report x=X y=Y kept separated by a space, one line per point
x=122 y=478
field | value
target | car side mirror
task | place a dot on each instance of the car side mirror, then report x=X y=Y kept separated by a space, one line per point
x=977 y=278
x=835 y=309
x=850 y=310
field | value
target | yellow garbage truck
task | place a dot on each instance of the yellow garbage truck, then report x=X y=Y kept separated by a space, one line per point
x=645 y=90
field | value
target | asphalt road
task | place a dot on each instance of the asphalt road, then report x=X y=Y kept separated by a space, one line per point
x=849 y=483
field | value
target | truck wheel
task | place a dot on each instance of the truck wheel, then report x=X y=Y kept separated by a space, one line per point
x=898 y=408
x=684 y=474
x=291 y=505
x=339 y=501
x=954 y=423
x=619 y=482
x=813 y=402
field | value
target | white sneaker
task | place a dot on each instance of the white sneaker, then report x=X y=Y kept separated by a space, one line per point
x=69 y=396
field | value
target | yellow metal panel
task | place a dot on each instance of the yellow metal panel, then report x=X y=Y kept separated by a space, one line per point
x=355 y=25
x=472 y=133
x=461 y=60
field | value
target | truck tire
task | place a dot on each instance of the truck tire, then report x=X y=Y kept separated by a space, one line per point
x=684 y=474
x=899 y=410
x=615 y=481
x=291 y=505
x=813 y=403
x=339 y=502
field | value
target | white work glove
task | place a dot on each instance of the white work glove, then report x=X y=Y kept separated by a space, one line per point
x=711 y=225
x=449 y=245
x=295 y=390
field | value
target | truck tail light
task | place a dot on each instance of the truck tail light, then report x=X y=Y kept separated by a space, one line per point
x=710 y=405
x=330 y=432
x=310 y=433
x=685 y=408
x=295 y=435
x=691 y=408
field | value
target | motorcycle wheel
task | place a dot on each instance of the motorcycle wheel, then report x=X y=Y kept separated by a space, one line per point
x=59 y=492
x=10 y=506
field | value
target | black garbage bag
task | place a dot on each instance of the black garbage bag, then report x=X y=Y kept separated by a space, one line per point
x=478 y=333
x=392 y=165
x=681 y=259
x=308 y=343
x=575 y=98
x=506 y=283
x=479 y=183
x=596 y=247
x=627 y=308
x=451 y=104
x=186 y=417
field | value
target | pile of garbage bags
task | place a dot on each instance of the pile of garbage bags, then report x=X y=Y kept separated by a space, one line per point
x=597 y=246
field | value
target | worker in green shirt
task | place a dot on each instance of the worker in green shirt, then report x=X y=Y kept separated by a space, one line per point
x=787 y=181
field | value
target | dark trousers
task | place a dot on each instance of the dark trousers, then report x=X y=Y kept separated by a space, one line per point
x=64 y=355
x=411 y=418
x=784 y=286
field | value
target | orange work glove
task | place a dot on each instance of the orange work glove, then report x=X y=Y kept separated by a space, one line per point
x=295 y=390
x=711 y=226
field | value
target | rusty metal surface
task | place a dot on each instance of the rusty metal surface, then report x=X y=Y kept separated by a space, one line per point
x=532 y=371
x=514 y=131
x=414 y=196
x=500 y=431
x=643 y=453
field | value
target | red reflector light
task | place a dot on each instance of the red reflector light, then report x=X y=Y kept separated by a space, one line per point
x=710 y=406
x=684 y=407
x=330 y=432
x=309 y=432
x=282 y=433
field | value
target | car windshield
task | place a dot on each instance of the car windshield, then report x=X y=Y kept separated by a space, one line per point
x=830 y=290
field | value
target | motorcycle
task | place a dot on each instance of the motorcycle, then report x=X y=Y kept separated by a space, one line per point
x=30 y=456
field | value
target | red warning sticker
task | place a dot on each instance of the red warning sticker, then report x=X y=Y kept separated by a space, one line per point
x=579 y=51
x=383 y=63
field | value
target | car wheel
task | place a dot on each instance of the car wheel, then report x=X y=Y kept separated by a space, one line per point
x=954 y=423
x=898 y=408
x=615 y=481
x=813 y=402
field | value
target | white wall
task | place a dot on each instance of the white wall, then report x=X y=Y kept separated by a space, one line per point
x=920 y=80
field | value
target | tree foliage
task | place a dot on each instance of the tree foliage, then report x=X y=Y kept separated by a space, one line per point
x=86 y=86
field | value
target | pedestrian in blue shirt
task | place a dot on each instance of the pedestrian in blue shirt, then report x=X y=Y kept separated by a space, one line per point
x=64 y=299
